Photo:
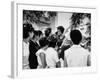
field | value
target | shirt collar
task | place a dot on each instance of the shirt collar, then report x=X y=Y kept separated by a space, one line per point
x=76 y=46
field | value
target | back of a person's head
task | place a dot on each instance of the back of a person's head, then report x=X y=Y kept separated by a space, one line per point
x=52 y=41
x=76 y=36
x=36 y=32
x=47 y=32
x=26 y=29
x=43 y=42
x=61 y=28
x=39 y=33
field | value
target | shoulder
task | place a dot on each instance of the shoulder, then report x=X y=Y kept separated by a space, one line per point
x=49 y=49
x=32 y=42
x=39 y=51
x=68 y=51
x=52 y=49
x=85 y=51
x=25 y=44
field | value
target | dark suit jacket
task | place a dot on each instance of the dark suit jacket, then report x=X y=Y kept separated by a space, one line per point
x=33 y=48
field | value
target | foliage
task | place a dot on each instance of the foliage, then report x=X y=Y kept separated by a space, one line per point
x=77 y=17
x=34 y=16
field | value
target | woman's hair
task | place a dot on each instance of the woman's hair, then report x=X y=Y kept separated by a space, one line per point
x=47 y=32
x=26 y=29
x=43 y=42
x=61 y=28
x=52 y=41
x=76 y=36
x=40 y=33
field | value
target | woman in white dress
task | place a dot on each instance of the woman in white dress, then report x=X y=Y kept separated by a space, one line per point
x=41 y=53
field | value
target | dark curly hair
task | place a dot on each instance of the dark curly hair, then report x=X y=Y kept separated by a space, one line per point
x=47 y=32
x=43 y=42
x=61 y=28
x=26 y=29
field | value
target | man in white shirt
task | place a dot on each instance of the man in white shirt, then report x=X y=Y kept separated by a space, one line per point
x=76 y=56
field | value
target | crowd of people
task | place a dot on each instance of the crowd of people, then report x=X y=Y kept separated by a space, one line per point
x=47 y=50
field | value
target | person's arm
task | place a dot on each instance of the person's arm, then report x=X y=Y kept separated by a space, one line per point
x=58 y=64
x=56 y=58
x=65 y=62
x=89 y=60
x=43 y=60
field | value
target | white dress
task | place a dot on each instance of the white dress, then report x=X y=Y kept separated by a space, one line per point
x=38 y=57
x=51 y=57
x=25 y=55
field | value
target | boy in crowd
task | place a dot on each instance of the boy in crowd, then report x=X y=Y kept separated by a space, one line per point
x=76 y=56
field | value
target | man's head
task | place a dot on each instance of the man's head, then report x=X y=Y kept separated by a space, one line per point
x=40 y=34
x=47 y=32
x=60 y=30
x=76 y=36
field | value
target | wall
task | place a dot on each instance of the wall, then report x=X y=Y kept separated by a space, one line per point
x=64 y=19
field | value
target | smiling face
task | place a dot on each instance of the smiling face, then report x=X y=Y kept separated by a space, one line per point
x=83 y=26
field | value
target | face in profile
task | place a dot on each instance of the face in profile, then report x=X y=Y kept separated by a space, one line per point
x=31 y=34
x=83 y=27
x=58 y=32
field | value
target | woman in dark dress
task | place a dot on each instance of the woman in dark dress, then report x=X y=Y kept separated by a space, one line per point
x=33 y=48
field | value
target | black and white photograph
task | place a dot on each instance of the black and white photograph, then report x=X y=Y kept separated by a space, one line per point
x=50 y=40
x=55 y=39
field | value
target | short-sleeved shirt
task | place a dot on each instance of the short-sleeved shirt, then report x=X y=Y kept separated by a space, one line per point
x=76 y=56
x=51 y=57
x=38 y=57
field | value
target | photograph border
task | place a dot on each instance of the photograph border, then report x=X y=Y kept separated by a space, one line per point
x=16 y=22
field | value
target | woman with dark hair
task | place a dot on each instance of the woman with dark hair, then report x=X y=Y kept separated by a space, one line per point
x=41 y=53
x=52 y=55
x=33 y=48
x=28 y=33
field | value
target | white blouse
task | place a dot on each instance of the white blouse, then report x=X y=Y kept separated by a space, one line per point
x=38 y=57
x=25 y=54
